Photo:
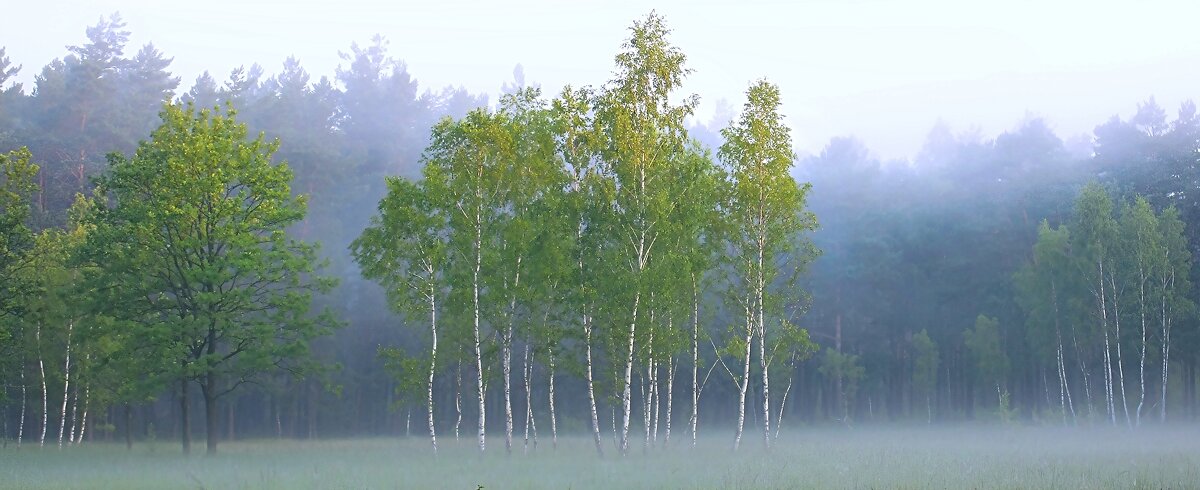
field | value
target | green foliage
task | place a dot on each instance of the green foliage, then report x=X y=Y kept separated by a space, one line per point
x=925 y=363
x=195 y=240
x=16 y=187
x=987 y=351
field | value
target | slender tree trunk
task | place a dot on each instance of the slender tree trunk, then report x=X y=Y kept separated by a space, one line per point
x=1142 y=360
x=1108 y=372
x=211 y=427
x=649 y=405
x=1120 y=358
x=626 y=393
x=74 y=425
x=553 y=414
x=84 y=419
x=457 y=400
x=1168 y=282
x=507 y=362
x=185 y=422
x=528 y=398
x=45 y=390
x=432 y=363
x=670 y=399
x=745 y=379
x=695 y=358
x=128 y=427
x=62 y=420
x=478 y=350
x=783 y=403
x=591 y=385
x=24 y=403
x=760 y=291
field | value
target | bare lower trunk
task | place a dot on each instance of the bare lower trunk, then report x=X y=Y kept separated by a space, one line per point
x=84 y=419
x=128 y=427
x=45 y=391
x=1083 y=371
x=457 y=400
x=185 y=432
x=783 y=403
x=482 y=424
x=762 y=345
x=74 y=425
x=626 y=393
x=62 y=424
x=1142 y=360
x=432 y=364
x=745 y=379
x=506 y=364
x=695 y=358
x=670 y=399
x=553 y=413
x=1108 y=374
x=1116 y=306
x=525 y=371
x=591 y=390
x=506 y=360
x=1166 y=358
x=210 y=414
x=21 y=421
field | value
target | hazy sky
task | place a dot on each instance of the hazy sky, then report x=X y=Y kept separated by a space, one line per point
x=882 y=70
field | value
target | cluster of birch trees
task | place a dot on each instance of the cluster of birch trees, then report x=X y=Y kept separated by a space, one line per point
x=589 y=230
x=1102 y=294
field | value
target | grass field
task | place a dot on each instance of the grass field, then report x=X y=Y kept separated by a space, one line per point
x=965 y=457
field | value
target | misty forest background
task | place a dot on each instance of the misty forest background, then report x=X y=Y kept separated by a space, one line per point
x=929 y=300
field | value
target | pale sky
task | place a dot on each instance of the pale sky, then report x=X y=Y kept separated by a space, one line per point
x=884 y=71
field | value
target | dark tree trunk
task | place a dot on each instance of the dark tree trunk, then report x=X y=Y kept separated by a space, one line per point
x=185 y=433
x=210 y=412
x=128 y=427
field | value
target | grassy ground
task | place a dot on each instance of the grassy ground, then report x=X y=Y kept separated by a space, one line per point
x=967 y=457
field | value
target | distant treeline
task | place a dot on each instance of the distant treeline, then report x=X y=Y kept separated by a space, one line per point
x=1007 y=278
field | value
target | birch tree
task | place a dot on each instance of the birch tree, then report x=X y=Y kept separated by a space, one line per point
x=465 y=163
x=404 y=249
x=1142 y=242
x=1093 y=233
x=644 y=129
x=1174 y=287
x=767 y=208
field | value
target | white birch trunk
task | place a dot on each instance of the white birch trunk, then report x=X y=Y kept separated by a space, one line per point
x=1120 y=358
x=74 y=426
x=1108 y=374
x=670 y=399
x=553 y=413
x=507 y=361
x=695 y=358
x=457 y=401
x=87 y=391
x=432 y=363
x=1166 y=356
x=760 y=290
x=62 y=425
x=482 y=427
x=745 y=380
x=783 y=403
x=1142 y=360
x=45 y=390
x=587 y=343
x=626 y=393
x=21 y=421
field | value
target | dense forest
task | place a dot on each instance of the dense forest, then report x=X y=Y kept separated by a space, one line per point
x=590 y=260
